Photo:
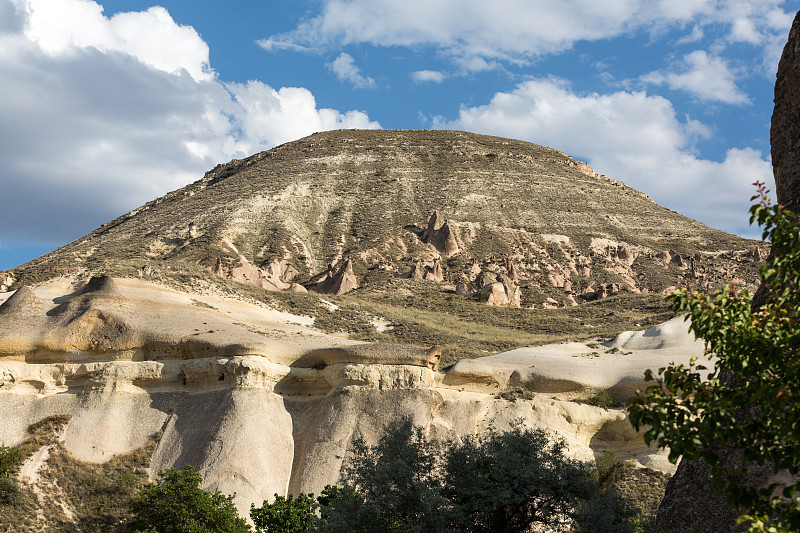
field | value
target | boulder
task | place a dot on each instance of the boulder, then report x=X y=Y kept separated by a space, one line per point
x=513 y=294
x=417 y=271
x=427 y=271
x=149 y=271
x=465 y=289
x=495 y=294
x=501 y=294
x=435 y=272
x=6 y=281
x=238 y=268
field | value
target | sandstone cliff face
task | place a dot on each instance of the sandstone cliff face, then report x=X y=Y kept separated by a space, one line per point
x=262 y=403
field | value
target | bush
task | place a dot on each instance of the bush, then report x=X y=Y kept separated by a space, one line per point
x=10 y=457
x=605 y=465
x=10 y=493
x=605 y=512
x=504 y=482
x=602 y=399
x=177 y=504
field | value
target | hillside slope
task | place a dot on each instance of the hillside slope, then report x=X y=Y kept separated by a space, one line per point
x=256 y=321
x=439 y=221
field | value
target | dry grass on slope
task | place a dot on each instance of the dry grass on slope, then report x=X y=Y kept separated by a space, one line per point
x=71 y=495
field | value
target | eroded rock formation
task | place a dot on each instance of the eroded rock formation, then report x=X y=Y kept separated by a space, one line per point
x=339 y=280
x=440 y=235
x=263 y=404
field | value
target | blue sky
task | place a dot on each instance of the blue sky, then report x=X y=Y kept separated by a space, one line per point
x=107 y=105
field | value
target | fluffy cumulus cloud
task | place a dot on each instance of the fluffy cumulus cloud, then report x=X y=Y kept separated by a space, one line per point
x=100 y=115
x=345 y=69
x=521 y=30
x=706 y=77
x=630 y=136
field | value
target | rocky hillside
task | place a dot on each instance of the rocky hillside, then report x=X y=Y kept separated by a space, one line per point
x=444 y=221
x=255 y=322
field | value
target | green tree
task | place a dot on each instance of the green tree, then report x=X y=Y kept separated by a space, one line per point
x=394 y=486
x=499 y=482
x=284 y=515
x=504 y=482
x=338 y=507
x=177 y=504
x=747 y=406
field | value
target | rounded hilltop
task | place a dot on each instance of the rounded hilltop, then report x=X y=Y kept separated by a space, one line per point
x=443 y=217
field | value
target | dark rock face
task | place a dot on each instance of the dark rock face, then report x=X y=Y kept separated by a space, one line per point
x=785 y=131
x=690 y=502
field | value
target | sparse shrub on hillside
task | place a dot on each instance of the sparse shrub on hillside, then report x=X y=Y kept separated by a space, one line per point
x=602 y=399
x=10 y=492
x=10 y=457
x=605 y=465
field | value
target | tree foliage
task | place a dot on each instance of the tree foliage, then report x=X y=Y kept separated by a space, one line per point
x=748 y=402
x=503 y=482
x=284 y=515
x=177 y=504
x=393 y=486
x=498 y=482
x=10 y=493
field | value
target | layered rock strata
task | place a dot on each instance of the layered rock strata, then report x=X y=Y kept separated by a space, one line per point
x=262 y=404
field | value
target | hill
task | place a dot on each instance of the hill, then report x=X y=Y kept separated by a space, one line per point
x=440 y=222
x=255 y=322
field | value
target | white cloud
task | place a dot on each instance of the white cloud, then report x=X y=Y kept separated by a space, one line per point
x=629 y=136
x=275 y=44
x=96 y=120
x=696 y=35
x=522 y=30
x=266 y=117
x=345 y=69
x=423 y=76
x=706 y=77
x=61 y=26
